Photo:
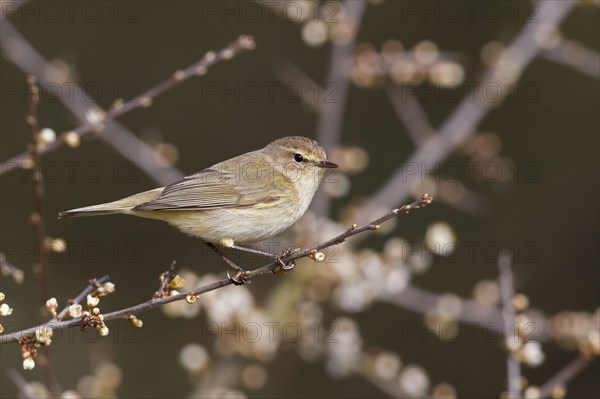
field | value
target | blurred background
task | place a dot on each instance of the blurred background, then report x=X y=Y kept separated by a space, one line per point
x=491 y=107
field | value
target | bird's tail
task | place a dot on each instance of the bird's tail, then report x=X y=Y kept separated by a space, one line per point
x=94 y=210
x=121 y=206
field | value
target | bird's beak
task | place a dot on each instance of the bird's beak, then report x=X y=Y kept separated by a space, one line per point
x=327 y=164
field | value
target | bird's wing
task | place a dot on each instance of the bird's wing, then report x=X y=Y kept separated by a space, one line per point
x=213 y=188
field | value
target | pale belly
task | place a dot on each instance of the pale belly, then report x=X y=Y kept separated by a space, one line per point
x=234 y=225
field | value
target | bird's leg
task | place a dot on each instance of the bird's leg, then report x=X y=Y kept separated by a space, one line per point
x=239 y=278
x=278 y=258
x=255 y=251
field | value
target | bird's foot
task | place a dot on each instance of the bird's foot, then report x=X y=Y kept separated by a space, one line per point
x=240 y=277
x=284 y=266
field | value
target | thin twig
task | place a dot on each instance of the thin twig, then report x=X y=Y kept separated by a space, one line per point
x=565 y=375
x=165 y=279
x=507 y=292
x=272 y=267
x=114 y=133
x=92 y=285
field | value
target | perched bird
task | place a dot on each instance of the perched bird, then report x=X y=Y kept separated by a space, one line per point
x=242 y=200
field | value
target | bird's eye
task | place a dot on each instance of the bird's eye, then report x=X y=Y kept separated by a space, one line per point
x=298 y=157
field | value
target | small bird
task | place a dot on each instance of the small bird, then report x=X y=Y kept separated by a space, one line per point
x=242 y=200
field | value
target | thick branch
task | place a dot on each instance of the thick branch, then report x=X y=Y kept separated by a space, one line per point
x=331 y=118
x=461 y=123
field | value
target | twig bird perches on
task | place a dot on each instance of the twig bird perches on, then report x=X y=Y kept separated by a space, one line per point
x=272 y=267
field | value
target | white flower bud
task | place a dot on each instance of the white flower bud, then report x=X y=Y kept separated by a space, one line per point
x=5 y=310
x=103 y=330
x=92 y=301
x=75 y=311
x=72 y=139
x=46 y=136
x=43 y=335
x=28 y=363
x=52 y=305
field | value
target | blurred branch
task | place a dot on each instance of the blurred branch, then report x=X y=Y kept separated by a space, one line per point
x=21 y=384
x=9 y=7
x=331 y=118
x=311 y=92
x=7 y=268
x=191 y=295
x=507 y=292
x=576 y=56
x=419 y=128
x=95 y=119
x=37 y=218
x=225 y=373
x=422 y=301
x=410 y=112
x=462 y=122
x=329 y=126
x=390 y=388
x=565 y=375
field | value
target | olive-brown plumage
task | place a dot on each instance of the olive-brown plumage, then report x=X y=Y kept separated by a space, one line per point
x=244 y=199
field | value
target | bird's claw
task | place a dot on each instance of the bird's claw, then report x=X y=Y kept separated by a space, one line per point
x=239 y=278
x=289 y=266
x=285 y=267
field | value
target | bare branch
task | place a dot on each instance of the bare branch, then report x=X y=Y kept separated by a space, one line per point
x=123 y=141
